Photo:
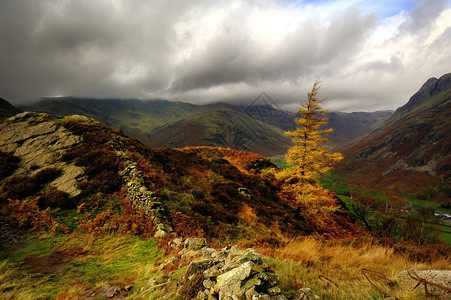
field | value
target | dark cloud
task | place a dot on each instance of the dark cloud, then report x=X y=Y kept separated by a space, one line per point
x=233 y=57
x=207 y=51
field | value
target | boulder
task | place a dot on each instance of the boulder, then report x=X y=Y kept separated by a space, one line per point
x=230 y=283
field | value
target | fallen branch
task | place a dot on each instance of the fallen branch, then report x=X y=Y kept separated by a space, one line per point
x=324 y=278
x=380 y=275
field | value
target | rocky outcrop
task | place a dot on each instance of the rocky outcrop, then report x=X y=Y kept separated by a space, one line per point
x=39 y=140
x=430 y=88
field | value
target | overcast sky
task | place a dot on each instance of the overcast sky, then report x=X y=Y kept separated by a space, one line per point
x=370 y=55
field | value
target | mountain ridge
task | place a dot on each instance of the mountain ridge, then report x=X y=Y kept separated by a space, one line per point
x=161 y=122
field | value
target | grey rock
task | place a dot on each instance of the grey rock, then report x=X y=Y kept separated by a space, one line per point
x=160 y=234
x=39 y=142
x=230 y=282
x=274 y=291
x=208 y=283
x=195 y=243
x=199 y=266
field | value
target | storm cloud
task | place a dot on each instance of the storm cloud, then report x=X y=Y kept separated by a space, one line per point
x=368 y=57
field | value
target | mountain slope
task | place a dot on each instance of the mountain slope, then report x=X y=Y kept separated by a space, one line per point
x=224 y=128
x=411 y=149
x=134 y=117
x=162 y=123
x=7 y=110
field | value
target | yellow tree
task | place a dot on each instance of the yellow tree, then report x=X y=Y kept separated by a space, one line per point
x=309 y=157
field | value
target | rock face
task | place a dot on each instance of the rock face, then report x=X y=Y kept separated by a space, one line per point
x=39 y=141
x=439 y=277
x=430 y=88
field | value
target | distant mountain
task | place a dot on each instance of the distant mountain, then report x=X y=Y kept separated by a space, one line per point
x=411 y=150
x=225 y=128
x=160 y=123
x=347 y=127
x=7 y=110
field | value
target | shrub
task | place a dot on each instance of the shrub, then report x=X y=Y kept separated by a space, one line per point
x=55 y=199
x=46 y=175
x=8 y=164
x=28 y=215
x=19 y=186
x=119 y=217
x=100 y=162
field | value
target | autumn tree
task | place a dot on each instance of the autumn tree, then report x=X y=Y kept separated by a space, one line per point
x=309 y=157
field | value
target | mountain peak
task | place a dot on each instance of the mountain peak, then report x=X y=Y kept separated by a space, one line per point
x=431 y=87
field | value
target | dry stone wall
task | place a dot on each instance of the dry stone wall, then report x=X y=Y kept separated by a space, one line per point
x=142 y=198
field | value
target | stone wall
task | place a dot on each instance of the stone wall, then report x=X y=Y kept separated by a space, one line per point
x=142 y=198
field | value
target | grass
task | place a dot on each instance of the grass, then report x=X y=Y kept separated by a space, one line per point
x=71 y=266
x=78 y=266
x=336 y=183
x=302 y=262
x=279 y=161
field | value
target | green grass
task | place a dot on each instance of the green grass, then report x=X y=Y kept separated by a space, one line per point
x=75 y=266
x=279 y=161
x=336 y=184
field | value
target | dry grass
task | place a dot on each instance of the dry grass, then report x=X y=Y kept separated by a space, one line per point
x=302 y=262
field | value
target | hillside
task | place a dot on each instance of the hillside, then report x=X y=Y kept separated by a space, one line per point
x=7 y=110
x=193 y=191
x=257 y=128
x=223 y=128
x=411 y=149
